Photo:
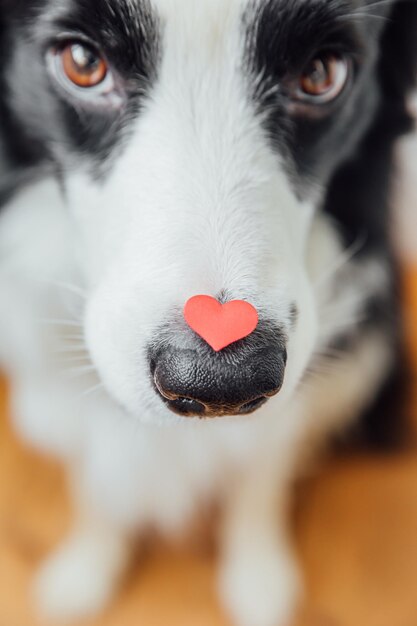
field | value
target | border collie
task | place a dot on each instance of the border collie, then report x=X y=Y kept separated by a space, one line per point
x=155 y=150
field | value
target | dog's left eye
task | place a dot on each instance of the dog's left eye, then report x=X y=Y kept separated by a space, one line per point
x=323 y=79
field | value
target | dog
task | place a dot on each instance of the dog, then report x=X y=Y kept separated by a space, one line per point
x=152 y=151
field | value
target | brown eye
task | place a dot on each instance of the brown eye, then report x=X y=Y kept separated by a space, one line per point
x=324 y=78
x=82 y=65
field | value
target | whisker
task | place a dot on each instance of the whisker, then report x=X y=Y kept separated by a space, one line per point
x=328 y=354
x=69 y=349
x=78 y=291
x=369 y=6
x=61 y=322
x=76 y=372
x=344 y=258
x=365 y=13
x=74 y=359
x=340 y=309
x=90 y=391
x=362 y=16
x=378 y=3
x=334 y=329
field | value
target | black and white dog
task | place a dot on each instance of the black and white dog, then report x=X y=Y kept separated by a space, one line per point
x=153 y=150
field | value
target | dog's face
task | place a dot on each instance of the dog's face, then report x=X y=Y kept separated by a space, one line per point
x=194 y=140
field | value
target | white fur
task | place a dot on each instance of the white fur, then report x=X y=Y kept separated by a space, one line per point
x=79 y=578
x=196 y=203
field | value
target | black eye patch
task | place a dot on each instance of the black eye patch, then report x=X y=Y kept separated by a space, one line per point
x=127 y=33
x=282 y=36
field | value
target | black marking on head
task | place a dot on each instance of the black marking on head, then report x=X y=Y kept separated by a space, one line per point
x=19 y=153
x=349 y=149
x=53 y=126
x=281 y=38
x=282 y=35
x=359 y=194
x=128 y=31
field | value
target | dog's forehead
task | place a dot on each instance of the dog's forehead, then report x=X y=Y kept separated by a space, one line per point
x=169 y=8
x=191 y=19
x=206 y=7
x=207 y=22
x=201 y=10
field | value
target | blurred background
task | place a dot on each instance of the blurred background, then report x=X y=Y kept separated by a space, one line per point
x=355 y=521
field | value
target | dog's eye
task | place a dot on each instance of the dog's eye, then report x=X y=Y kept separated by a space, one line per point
x=82 y=72
x=82 y=65
x=323 y=79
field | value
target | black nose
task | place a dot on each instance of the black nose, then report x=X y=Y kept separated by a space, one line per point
x=196 y=381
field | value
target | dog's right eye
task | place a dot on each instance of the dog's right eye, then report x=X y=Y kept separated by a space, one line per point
x=82 y=65
x=82 y=71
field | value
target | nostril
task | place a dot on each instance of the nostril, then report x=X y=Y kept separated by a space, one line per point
x=179 y=404
x=186 y=406
x=251 y=406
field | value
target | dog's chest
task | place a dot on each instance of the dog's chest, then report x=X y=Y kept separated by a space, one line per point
x=163 y=476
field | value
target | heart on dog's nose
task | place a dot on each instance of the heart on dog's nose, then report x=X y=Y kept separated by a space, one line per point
x=220 y=324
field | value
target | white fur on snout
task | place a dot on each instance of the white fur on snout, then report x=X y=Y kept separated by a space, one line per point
x=198 y=203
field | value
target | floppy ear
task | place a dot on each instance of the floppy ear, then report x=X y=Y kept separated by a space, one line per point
x=359 y=199
x=19 y=155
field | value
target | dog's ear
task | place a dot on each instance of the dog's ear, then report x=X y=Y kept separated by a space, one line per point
x=359 y=199
x=398 y=63
x=20 y=155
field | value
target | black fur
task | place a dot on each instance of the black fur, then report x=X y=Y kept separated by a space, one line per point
x=359 y=198
x=358 y=133
x=36 y=116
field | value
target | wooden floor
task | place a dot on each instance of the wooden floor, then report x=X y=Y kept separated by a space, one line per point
x=356 y=532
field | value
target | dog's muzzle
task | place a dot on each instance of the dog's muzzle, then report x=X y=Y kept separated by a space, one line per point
x=197 y=381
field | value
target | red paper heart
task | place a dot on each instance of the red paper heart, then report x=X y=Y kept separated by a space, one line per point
x=220 y=324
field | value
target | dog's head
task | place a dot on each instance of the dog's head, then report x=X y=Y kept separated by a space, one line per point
x=194 y=141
